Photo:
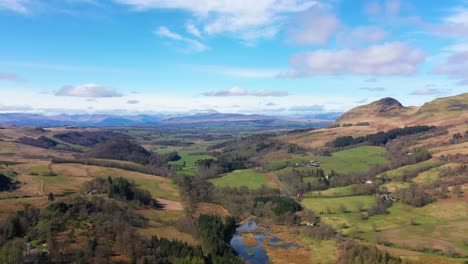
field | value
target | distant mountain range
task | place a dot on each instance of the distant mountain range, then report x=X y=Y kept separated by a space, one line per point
x=104 y=120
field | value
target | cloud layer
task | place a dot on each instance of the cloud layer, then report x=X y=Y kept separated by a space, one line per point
x=393 y=58
x=238 y=91
x=192 y=44
x=314 y=27
x=246 y=19
x=88 y=90
x=18 y=6
x=9 y=77
x=427 y=91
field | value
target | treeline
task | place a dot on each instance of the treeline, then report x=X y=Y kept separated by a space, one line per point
x=99 y=230
x=6 y=183
x=120 y=188
x=41 y=142
x=306 y=180
x=353 y=252
x=216 y=236
x=415 y=196
x=124 y=149
x=89 y=138
x=380 y=138
x=240 y=202
x=409 y=173
x=282 y=205
x=119 y=165
x=242 y=153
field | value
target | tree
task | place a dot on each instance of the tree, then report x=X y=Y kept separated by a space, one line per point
x=51 y=197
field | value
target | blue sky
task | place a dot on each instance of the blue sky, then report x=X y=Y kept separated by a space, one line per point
x=282 y=57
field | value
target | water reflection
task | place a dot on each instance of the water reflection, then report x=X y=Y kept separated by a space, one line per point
x=256 y=254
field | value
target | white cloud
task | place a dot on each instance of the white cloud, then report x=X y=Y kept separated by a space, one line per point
x=10 y=77
x=392 y=7
x=453 y=25
x=192 y=29
x=455 y=67
x=242 y=18
x=372 y=8
x=315 y=26
x=18 y=6
x=238 y=91
x=459 y=16
x=133 y=102
x=427 y=91
x=307 y=108
x=265 y=93
x=192 y=44
x=387 y=7
x=393 y=58
x=237 y=72
x=369 y=33
x=88 y=90
x=373 y=89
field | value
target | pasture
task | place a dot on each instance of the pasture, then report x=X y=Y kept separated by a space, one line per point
x=400 y=172
x=248 y=178
x=187 y=163
x=355 y=160
x=335 y=205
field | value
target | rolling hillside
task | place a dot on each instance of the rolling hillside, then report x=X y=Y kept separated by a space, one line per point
x=390 y=113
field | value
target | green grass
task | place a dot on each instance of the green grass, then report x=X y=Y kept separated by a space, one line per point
x=429 y=175
x=7 y=148
x=42 y=170
x=337 y=191
x=355 y=160
x=157 y=186
x=248 y=178
x=187 y=162
x=322 y=251
x=72 y=146
x=351 y=203
x=426 y=225
x=400 y=172
x=394 y=186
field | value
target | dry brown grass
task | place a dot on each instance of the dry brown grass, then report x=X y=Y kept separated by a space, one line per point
x=292 y=254
x=170 y=205
x=168 y=232
x=318 y=138
x=210 y=209
x=249 y=239
x=9 y=206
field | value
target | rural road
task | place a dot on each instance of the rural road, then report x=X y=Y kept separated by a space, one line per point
x=288 y=193
x=284 y=189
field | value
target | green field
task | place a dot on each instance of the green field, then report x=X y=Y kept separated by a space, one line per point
x=335 y=204
x=437 y=225
x=354 y=160
x=7 y=148
x=248 y=178
x=187 y=163
x=157 y=186
x=431 y=174
x=394 y=186
x=400 y=172
x=337 y=191
x=42 y=170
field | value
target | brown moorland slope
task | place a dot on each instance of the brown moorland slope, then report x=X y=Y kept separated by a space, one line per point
x=387 y=113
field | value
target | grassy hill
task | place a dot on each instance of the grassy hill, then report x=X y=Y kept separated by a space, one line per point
x=388 y=112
